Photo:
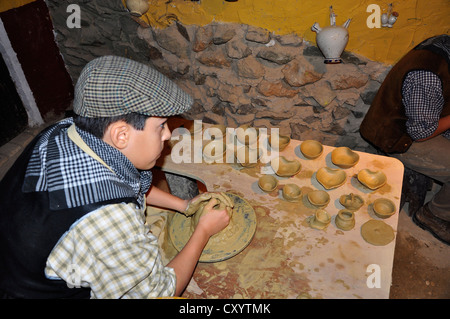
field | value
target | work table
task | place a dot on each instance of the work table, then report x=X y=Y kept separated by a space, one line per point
x=286 y=257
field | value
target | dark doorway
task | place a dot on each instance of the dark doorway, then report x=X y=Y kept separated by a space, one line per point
x=13 y=117
x=30 y=31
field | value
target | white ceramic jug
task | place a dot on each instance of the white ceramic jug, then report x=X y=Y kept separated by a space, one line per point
x=332 y=40
x=137 y=7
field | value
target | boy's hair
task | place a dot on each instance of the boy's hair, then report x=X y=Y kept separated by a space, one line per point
x=97 y=125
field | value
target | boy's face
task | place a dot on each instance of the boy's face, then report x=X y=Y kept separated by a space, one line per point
x=145 y=146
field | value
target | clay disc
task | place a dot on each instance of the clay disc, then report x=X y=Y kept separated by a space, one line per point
x=225 y=244
x=377 y=232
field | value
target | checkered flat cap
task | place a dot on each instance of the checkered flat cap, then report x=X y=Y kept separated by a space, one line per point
x=111 y=86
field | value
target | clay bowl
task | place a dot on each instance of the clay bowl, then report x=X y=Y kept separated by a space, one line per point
x=311 y=149
x=284 y=167
x=383 y=207
x=246 y=134
x=291 y=192
x=247 y=156
x=318 y=198
x=344 y=157
x=214 y=150
x=283 y=141
x=372 y=179
x=351 y=201
x=345 y=219
x=320 y=220
x=267 y=183
x=331 y=177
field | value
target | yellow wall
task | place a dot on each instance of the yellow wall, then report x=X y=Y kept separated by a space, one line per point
x=5 y=5
x=418 y=20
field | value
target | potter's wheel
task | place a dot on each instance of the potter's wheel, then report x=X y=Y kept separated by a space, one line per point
x=227 y=243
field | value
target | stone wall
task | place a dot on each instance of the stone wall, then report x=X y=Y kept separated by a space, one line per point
x=237 y=74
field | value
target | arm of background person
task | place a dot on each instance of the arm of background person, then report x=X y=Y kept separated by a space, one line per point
x=443 y=125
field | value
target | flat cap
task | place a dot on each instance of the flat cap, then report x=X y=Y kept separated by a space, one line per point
x=111 y=86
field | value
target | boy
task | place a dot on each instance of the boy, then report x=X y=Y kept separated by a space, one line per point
x=72 y=218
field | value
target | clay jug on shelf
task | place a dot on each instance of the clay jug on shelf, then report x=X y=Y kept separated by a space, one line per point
x=332 y=40
x=137 y=7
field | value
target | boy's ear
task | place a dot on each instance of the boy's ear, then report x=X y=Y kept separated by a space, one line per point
x=118 y=134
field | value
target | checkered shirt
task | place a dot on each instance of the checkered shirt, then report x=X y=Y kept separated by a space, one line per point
x=423 y=100
x=112 y=251
x=111 y=86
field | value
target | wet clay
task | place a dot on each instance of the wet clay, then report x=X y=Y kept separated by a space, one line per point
x=225 y=244
x=377 y=232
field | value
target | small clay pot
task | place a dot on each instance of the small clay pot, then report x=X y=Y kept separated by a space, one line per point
x=284 y=167
x=331 y=177
x=247 y=156
x=351 y=201
x=319 y=198
x=344 y=157
x=267 y=183
x=291 y=192
x=320 y=220
x=383 y=207
x=345 y=219
x=281 y=144
x=311 y=149
x=372 y=179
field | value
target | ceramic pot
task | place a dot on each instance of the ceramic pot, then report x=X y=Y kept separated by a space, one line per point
x=345 y=219
x=384 y=20
x=137 y=7
x=331 y=41
x=320 y=220
x=392 y=18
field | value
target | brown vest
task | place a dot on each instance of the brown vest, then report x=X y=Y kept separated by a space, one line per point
x=385 y=122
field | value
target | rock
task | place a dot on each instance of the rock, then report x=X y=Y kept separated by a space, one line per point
x=250 y=68
x=171 y=40
x=289 y=39
x=236 y=49
x=256 y=34
x=298 y=74
x=345 y=76
x=203 y=38
x=279 y=89
x=213 y=57
x=320 y=92
x=276 y=54
x=223 y=33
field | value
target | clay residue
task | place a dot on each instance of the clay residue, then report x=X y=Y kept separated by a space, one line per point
x=265 y=269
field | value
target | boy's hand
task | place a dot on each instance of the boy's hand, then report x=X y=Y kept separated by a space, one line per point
x=215 y=218
x=200 y=200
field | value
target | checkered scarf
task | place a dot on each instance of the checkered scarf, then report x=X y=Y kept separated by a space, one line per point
x=73 y=178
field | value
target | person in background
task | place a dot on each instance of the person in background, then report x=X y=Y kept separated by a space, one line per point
x=72 y=207
x=409 y=119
